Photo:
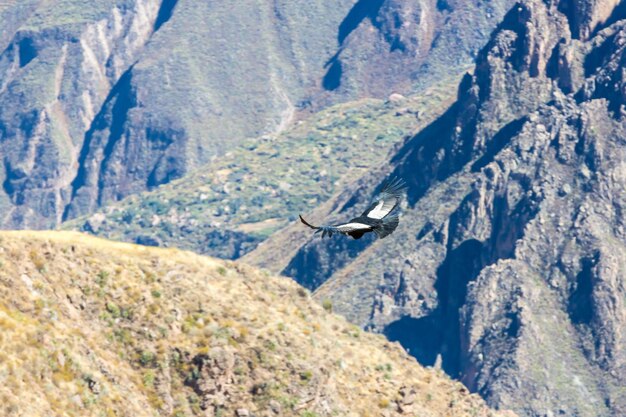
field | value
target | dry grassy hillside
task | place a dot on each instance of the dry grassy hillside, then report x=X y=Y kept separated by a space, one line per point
x=95 y=328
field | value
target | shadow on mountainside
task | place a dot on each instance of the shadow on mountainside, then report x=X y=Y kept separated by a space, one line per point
x=441 y=332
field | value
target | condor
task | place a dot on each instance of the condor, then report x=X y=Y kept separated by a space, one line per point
x=381 y=217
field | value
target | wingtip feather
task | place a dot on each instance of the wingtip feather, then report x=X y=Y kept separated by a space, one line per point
x=307 y=223
x=395 y=186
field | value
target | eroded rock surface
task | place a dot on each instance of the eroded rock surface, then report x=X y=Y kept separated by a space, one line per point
x=508 y=264
x=101 y=102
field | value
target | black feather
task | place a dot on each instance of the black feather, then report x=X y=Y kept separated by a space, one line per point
x=388 y=225
x=382 y=224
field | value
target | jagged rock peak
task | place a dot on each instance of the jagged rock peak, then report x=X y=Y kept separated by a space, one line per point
x=507 y=266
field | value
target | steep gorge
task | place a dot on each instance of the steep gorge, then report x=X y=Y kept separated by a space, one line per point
x=123 y=97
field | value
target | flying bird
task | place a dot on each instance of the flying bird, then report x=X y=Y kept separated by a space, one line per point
x=381 y=217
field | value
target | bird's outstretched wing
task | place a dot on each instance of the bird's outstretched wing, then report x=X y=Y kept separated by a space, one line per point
x=351 y=228
x=387 y=199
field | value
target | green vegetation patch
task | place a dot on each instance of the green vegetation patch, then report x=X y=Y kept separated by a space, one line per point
x=229 y=206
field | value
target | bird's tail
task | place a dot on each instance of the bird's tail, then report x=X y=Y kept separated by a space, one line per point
x=325 y=230
x=387 y=226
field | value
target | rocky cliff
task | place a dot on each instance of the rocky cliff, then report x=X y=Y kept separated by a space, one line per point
x=100 y=102
x=508 y=263
x=92 y=328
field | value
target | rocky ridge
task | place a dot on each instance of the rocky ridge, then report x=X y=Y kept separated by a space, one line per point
x=508 y=262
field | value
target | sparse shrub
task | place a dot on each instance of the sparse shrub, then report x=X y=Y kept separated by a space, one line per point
x=194 y=403
x=243 y=333
x=185 y=327
x=157 y=206
x=150 y=277
x=38 y=261
x=101 y=278
x=175 y=357
x=221 y=270
x=328 y=305
x=163 y=332
x=113 y=309
x=147 y=358
x=354 y=332
x=148 y=379
x=306 y=375
x=384 y=367
x=156 y=293
x=192 y=375
x=384 y=403
x=126 y=313
x=270 y=345
x=39 y=305
x=128 y=216
x=153 y=308
x=88 y=399
x=300 y=313
x=220 y=333
x=287 y=402
x=123 y=336
x=261 y=389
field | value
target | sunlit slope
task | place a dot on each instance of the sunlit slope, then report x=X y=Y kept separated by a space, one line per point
x=91 y=328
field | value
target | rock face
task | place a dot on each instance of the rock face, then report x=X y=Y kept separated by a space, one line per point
x=509 y=261
x=399 y=43
x=102 y=102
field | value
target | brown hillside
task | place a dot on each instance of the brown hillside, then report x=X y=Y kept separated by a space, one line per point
x=95 y=328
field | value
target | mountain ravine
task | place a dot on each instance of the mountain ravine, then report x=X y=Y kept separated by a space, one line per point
x=101 y=102
x=228 y=206
x=509 y=263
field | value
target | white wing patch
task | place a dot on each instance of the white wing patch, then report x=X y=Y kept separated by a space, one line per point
x=348 y=227
x=379 y=211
